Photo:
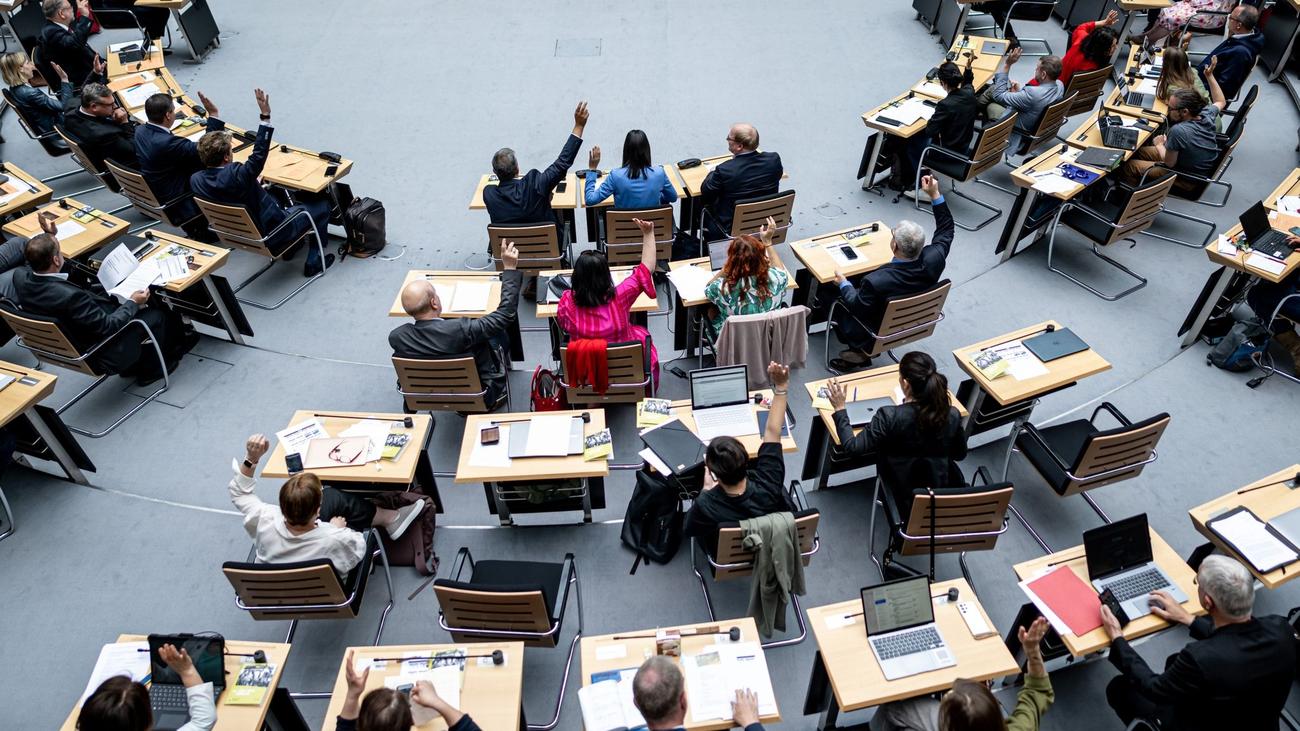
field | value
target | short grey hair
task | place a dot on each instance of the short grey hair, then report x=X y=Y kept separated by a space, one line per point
x=1229 y=584
x=51 y=8
x=657 y=688
x=504 y=164
x=91 y=93
x=909 y=237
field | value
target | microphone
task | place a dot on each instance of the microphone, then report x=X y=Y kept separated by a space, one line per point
x=1292 y=482
x=498 y=658
x=331 y=156
x=732 y=634
x=407 y=421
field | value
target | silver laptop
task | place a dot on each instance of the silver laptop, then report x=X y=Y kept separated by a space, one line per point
x=718 y=254
x=720 y=403
x=1119 y=558
x=899 y=616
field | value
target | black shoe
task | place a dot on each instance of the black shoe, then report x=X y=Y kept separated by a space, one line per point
x=310 y=271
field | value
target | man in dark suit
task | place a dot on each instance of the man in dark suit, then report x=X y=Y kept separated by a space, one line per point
x=431 y=336
x=63 y=40
x=233 y=183
x=1237 y=53
x=1236 y=675
x=88 y=317
x=104 y=131
x=914 y=269
x=748 y=174
x=527 y=199
x=167 y=161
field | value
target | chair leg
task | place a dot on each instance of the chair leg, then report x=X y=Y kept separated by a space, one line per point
x=166 y=378
x=995 y=214
x=1269 y=370
x=293 y=627
x=1096 y=508
x=871 y=531
x=798 y=618
x=965 y=572
x=9 y=516
x=568 y=663
x=262 y=305
x=704 y=586
x=1211 y=227
x=388 y=579
x=1051 y=246
x=1037 y=538
x=830 y=331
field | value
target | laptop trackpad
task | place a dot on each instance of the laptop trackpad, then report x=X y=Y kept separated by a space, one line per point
x=169 y=720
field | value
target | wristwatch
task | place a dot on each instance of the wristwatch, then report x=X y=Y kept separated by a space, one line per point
x=249 y=465
x=264 y=117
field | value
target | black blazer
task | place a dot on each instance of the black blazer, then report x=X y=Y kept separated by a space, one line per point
x=68 y=49
x=527 y=199
x=953 y=122
x=906 y=459
x=899 y=279
x=236 y=184
x=84 y=316
x=747 y=175
x=446 y=337
x=1235 y=677
x=102 y=139
x=167 y=161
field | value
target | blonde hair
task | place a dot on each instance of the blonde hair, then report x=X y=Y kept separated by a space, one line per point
x=1175 y=73
x=11 y=68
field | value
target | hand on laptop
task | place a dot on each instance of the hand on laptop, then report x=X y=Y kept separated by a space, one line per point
x=744 y=710
x=835 y=394
x=1164 y=606
x=179 y=661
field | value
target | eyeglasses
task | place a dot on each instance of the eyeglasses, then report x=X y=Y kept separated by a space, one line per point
x=336 y=454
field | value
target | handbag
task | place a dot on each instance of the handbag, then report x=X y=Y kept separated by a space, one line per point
x=546 y=394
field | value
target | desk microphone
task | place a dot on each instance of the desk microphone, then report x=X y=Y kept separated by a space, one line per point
x=498 y=658
x=732 y=634
x=407 y=421
x=331 y=156
x=952 y=595
x=1291 y=482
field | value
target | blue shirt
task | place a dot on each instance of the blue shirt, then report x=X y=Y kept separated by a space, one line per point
x=651 y=190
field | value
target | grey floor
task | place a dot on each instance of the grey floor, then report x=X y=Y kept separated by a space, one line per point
x=420 y=95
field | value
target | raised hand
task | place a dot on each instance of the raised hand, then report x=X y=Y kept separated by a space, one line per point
x=63 y=75
x=209 y=105
x=255 y=447
x=647 y=227
x=593 y=157
x=509 y=256
x=263 y=102
x=835 y=394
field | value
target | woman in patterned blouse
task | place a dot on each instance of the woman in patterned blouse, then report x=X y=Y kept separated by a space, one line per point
x=748 y=283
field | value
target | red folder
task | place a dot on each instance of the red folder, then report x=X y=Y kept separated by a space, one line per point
x=1070 y=598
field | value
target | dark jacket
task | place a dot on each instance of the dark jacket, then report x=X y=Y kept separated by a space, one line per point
x=1235 y=677
x=236 y=184
x=1236 y=59
x=906 y=459
x=527 y=199
x=84 y=316
x=953 y=122
x=41 y=110
x=67 y=48
x=902 y=278
x=167 y=161
x=747 y=175
x=464 y=724
x=445 y=337
x=102 y=139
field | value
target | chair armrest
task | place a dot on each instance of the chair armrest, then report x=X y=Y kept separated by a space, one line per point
x=1179 y=173
x=797 y=496
x=981 y=473
x=891 y=507
x=1032 y=432
x=1110 y=408
x=458 y=565
x=568 y=571
x=362 y=569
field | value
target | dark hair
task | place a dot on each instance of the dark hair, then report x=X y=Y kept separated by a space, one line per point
x=1248 y=17
x=636 y=153
x=300 y=498
x=1096 y=45
x=156 y=107
x=746 y=257
x=950 y=75
x=1188 y=99
x=727 y=459
x=384 y=709
x=929 y=390
x=1051 y=65
x=91 y=93
x=505 y=165
x=592 y=284
x=969 y=706
x=214 y=147
x=118 y=704
x=39 y=252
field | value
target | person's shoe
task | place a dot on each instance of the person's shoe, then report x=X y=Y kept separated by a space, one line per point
x=855 y=357
x=311 y=271
x=915 y=194
x=405 y=517
x=1290 y=341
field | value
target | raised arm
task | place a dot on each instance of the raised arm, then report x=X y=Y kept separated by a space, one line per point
x=1216 y=92
x=780 y=377
x=648 y=246
x=480 y=329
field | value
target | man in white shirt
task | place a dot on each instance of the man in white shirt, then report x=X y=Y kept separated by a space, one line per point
x=311 y=521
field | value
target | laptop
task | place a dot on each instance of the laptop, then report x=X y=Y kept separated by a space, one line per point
x=1119 y=558
x=1055 y=344
x=1261 y=235
x=899 y=616
x=720 y=403
x=861 y=413
x=718 y=254
x=171 y=708
x=1137 y=98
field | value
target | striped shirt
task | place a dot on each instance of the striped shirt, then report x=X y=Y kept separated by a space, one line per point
x=610 y=321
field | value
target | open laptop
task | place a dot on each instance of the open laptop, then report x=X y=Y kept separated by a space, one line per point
x=720 y=403
x=900 y=624
x=718 y=254
x=1119 y=558
x=171 y=708
x=1261 y=235
x=1136 y=98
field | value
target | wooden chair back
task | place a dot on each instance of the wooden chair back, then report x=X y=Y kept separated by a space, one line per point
x=752 y=214
x=81 y=157
x=629 y=376
x=266 y=586
x=731 y=548
x=450 y=384
x=1052 y=121
x=538 y=245
x=623 y=238
x=990 y=145
x=1144 y=204
x=485 y=611
x=908 y=319
x=1086 y=88
x=1121 y=454
x=234 y=226
x=47 y=341
x=962 y=522
x=137 y=190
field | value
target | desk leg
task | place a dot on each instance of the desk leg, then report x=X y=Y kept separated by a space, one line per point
x=961 y=21
x=553 y=327
x=1286 y=56
x=1015 y=229
x=1207 y=307
x=503 y=509
x=516 y=341
x=227 y=321
x=973 y=404
x=820 y=697
x=60 y=454
x=586 y=499
x=1122 y=46
x=180 y=26
x=873 y=154
x=816 y=453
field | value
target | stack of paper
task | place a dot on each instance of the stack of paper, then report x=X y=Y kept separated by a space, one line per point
x=1289 y=205
x=491 y=455
x=68 y=229
x=1065 y=600
x=1022 y=364
x=470 y=297
x=118 y=658
x=1251 y=538
x=295 y=437
x=1224 y=246
x=136 y=95
x=375 y=431
x=690 y=282
x=714 y=675
x=121 y=275
x=1052 y=183
x=607 y=703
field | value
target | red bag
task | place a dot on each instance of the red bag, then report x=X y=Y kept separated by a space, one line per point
x=546 y=392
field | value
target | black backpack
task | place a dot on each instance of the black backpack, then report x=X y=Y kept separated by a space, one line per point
x=364 y=222
x=652 y=525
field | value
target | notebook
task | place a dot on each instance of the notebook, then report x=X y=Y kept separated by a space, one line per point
x=679 y=448
x=1056 y=344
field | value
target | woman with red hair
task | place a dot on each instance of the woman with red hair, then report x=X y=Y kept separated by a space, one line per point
x=748 y=283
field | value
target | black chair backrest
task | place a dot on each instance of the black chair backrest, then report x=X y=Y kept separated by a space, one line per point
x=1238 y=119
x=1036 y=10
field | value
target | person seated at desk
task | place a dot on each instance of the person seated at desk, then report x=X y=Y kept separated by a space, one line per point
x=749 y=282
x=311 y=521
x=919 y=442
x=638 y=184
x=595 y=308
x=432 y=336
x=122 y=704
x=40 y=109
x=103 y=130
x=1235 y=57
x=659 y=693
x=87 y=317
x=748 y=174
x=12 y=258
x=915 y=268
x=1029 y=101
x=386 y=709
x=168 y=161
x=735 y=490
x=1192 y=143
x=1092 y=46
x=1263 y=298
x=236 y=184
x=527 y=198
x=1237 y=674
x=950 y=127
x=63 y=40
x=1176 y=73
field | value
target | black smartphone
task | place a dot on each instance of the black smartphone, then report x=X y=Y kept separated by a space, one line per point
x=848 y=252
x=293 y=462
x=1295 y=230
x=405 y=689
x=490 y=435
x=563 y=186
x=1108 y=598
x=331 y=169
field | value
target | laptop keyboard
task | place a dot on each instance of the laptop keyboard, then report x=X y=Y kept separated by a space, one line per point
x=1138 y=584
x=170 y=697
x=908 y=643
x=714 y=419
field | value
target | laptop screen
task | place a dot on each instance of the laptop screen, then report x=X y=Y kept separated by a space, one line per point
x=208 y=654
x=1254 y=222
x=713 y=387
x=718 y=254
x=1121 y=545
x=897 y=605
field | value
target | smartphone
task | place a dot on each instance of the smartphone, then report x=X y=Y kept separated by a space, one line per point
x=1107 y=597
x=1295 y=230
x=563 y=186
x=848 y=252
x=405 y=689
x=490 y=435
x=331 y=169
x=293 y=462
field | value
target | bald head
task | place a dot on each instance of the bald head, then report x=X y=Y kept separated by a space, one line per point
x=659 y=692
x=420 y=300
x=743 y=136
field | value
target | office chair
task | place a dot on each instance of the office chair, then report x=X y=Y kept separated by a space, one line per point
x=446 y=384
x=235 y=227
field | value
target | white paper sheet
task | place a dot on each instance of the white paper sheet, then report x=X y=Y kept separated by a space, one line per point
x=144 y=275
x=1022 y=364
x=611 y=651
x=930 y=88
x=446 y=292
x=1053 y=183
x=68 y=229
x=837 y=255
x=116 y=266
x=608 y=704
x=548 y=436
x=1057 y=623
x=376 y=431
x=1288 y=204
x=1264 y=263
x=1247 y=533
x=172 y=267
x=1145 y=86
x=1223 y=246
x=690 y=282
x=122 y=658
x=470 y=297
x=653 y=460
x=295 y=436
x=491 y=455
x=136 y=95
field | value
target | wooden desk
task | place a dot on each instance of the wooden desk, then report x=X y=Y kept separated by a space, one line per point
x=1114 y=102
x=491 y=694
x=35 y=192
x=100 y=230
x=1027 y=197
x=161 y=78
x=682 y=410
x=1088 y=133
x=154 y=60
x=229 y=717
x=450 y=278
x=1290 y=185
x=560 y=200
x=20 y=399
x=1266 y=503
x=1096 y=640
x=872 y=249
x=692 y=179
x=216 y=307
x=637 y=651
x=504 y=500
x=687 y=332
x=848 y=677
x=297 y=169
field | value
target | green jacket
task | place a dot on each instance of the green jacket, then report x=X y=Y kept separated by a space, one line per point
x=1034 y=700
x=778 y=568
